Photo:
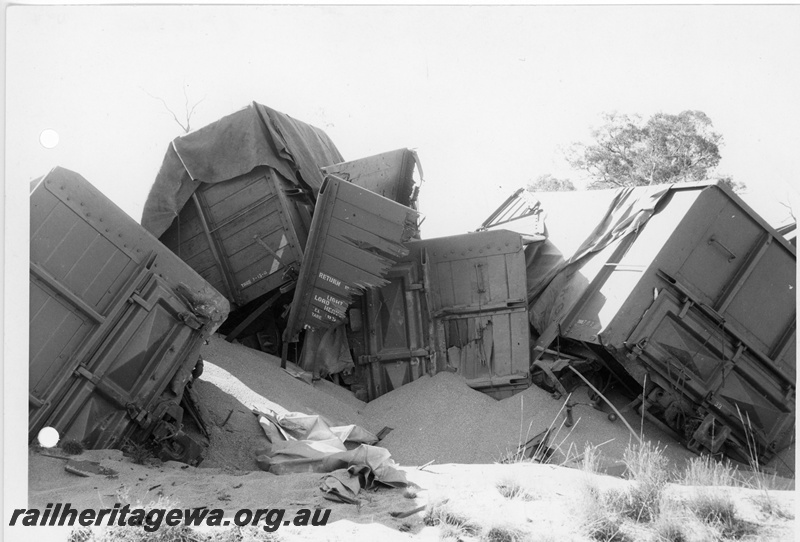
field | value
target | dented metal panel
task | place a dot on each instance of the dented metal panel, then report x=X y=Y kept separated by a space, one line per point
x=478 y=306
x=453 y=304
x=390 y=174
x=115 y=322
x=356 y=237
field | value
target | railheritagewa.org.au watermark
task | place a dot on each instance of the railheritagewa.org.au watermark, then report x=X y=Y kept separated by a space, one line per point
x=270 y=519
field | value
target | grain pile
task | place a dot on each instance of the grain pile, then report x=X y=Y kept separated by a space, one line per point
x=435 y=419
x=441 y=419
x=438 y=418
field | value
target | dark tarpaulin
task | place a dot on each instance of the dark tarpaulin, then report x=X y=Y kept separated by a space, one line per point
x=232 y=146
x=543 y=260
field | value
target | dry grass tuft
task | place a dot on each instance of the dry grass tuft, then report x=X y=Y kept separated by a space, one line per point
x=590 y=461
x=608 y=529
x=676 y=524
x=640 y=504
x=511 y=489
x=81 y=534
x=647 y=466
x=454 y=524
x=713 y=507
x=240 y=534
x=706 y=471
x=140 y=453
x=718 y=510
x=410 y=494
x=646 y=463
x=72 y=447
x=770 y=507
x=490 y=524
x=670 y=529
x=503 y=534
x=172 y=534
x=140 y=533
x=600 y=521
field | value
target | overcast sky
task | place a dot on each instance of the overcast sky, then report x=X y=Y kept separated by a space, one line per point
x=489 y=96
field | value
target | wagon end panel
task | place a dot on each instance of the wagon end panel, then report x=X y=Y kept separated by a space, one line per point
x=356 y=237
x=707 y=381
x=115 y=321
x=390 y=174
x=479 y=309
x=118 y=393
x=745 y=271
x=245 y=236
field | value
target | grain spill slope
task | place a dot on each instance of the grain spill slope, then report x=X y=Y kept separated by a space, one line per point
x=236 y=379
x=441 y=419
x=437 y=418
x=434 y=419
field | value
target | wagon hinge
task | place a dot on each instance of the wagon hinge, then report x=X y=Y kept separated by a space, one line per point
x=137 y=414
x=190 y=320
x=136 y=298
x=395 y=356
x=636 y=350
x=103 y=388
x=88 y=375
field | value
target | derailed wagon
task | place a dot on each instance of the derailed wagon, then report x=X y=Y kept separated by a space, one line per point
x=116 y=320
x=356 y=237
x=235 y=200
x=688 y=297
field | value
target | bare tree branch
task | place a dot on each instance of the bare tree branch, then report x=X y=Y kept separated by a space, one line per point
x=185 y=125
x=790 y=209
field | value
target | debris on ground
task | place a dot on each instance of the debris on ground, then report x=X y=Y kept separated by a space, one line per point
x=87 y=468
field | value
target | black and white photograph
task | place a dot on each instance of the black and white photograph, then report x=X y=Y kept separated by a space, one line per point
x=518 y=273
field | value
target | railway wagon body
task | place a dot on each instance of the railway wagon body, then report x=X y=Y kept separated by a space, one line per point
x=116 y=320
x=693 y=298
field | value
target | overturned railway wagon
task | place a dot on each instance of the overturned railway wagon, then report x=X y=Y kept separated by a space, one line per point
x=684 y=292
x=116 y=320
x=235 y=201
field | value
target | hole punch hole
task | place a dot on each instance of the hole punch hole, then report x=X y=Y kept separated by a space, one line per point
x=48 y=139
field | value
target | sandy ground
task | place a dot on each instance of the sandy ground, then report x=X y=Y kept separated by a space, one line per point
x=461 y=433
x=553 y=508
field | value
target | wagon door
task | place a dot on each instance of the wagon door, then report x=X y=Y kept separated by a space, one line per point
x=478 y=298
x=396 y=345
x=113 y=393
